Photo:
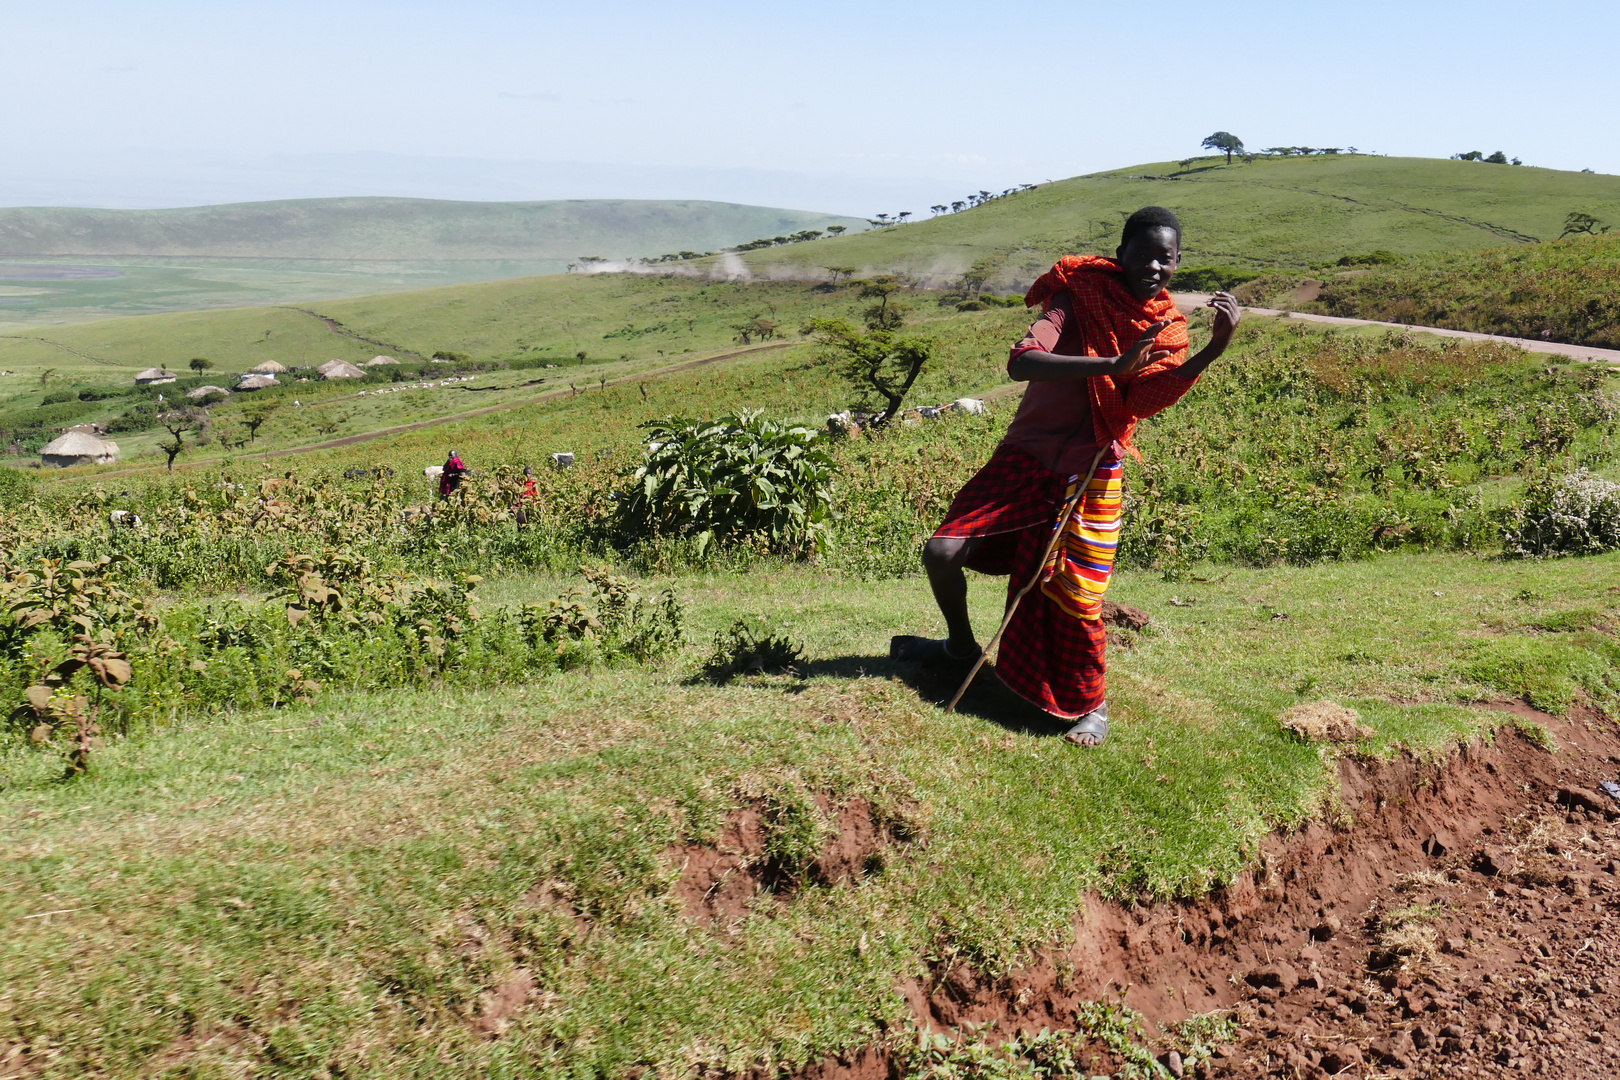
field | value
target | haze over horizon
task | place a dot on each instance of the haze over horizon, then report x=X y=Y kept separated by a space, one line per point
x=841 y=108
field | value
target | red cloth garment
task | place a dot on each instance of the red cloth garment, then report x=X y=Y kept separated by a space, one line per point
x=1047 y=656
x=450 y=478
x=1109 y=320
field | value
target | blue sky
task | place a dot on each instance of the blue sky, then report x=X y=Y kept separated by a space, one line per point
x=859 y=106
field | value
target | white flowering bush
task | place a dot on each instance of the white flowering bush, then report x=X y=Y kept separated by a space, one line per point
x=1574 y=514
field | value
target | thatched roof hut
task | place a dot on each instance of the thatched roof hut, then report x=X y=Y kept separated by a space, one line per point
x=379 y=361
x=152 y=376
x=77 y=448
x=256 y=382
x=201 y=392
x=339 y=369
x=269 y=367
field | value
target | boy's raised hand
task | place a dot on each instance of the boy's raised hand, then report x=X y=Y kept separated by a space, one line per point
x=1142 y=353
x=1227 y=315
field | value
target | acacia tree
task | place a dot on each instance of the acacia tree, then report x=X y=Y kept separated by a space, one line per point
x=177 y=422
x=878 y=360
x=881 y=316
x=254 y=417
x=1225 y=142
x=1576 y=222
x=200 y=364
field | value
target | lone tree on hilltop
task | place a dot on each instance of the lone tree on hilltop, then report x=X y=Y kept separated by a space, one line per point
x=1226 y=142
x=200 y=364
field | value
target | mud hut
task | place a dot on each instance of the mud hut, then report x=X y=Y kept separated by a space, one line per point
x=154 y=376
x=201 y=392
x=256 y=382
x=379 y=361
x=77 y=448
x=269 y=367
x=339 y=369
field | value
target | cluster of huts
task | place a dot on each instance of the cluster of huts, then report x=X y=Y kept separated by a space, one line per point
x=87 y=444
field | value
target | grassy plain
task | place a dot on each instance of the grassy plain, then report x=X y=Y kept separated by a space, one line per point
x=272 y=252
x=344 y=886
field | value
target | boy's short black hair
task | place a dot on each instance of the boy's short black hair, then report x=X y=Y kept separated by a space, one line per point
x=1150 y=217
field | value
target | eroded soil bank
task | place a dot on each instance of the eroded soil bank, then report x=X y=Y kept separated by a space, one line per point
x=1463 y=920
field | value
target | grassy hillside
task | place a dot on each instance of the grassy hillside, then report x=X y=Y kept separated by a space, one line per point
x=362 y=229
x=1564 y=291
x=1267 y=213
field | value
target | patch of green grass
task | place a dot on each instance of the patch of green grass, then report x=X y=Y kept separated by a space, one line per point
x=342 y=884
x=1586 y=617
x=1547 y=671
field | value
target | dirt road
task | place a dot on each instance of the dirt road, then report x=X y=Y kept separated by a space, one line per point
x=1188 y=301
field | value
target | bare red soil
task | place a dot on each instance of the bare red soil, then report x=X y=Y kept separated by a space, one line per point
x=1464 y=923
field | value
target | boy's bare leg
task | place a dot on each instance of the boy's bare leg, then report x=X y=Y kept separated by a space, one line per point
x=943 y=559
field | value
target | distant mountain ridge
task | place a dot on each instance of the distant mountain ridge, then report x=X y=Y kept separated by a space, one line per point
x=383 y=229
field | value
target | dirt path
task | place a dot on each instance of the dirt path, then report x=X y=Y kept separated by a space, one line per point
x=399 y=429
x=1188 y=301
x=343 y=331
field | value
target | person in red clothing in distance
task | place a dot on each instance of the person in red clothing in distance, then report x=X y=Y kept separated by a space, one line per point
x=1109 y=349
x=527 y=494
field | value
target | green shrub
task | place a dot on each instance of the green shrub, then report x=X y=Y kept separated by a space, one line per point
x=741 y=650
x=1574 y=514
x=723 y=481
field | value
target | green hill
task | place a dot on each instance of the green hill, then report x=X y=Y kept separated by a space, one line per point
x=400 y=229
x=1269 y=213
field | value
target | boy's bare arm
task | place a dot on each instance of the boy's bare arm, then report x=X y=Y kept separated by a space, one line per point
x=1036 y=365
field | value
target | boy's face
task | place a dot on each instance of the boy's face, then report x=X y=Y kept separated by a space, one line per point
x=1149 y=260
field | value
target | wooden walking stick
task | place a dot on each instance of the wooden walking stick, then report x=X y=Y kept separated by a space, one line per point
x=1057 y=533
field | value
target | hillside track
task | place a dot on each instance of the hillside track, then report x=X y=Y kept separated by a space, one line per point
x=343 y=331
x=438 y=421
x=1188 y=301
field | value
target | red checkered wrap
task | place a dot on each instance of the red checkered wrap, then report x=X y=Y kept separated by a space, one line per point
x=1111 y=320
x=1047 y=656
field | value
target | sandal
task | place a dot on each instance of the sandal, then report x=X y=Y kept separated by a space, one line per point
x=920 y=650
x=1091 y=729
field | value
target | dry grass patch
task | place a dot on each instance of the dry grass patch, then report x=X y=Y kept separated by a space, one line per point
x=1324 y=722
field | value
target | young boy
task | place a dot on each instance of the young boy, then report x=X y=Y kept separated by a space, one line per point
x=1109 y=349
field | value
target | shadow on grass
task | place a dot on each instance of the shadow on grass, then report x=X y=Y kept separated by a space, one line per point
x=986 y=699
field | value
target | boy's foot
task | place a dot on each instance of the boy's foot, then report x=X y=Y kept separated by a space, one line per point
x=1091 y=729
x=921 y=650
